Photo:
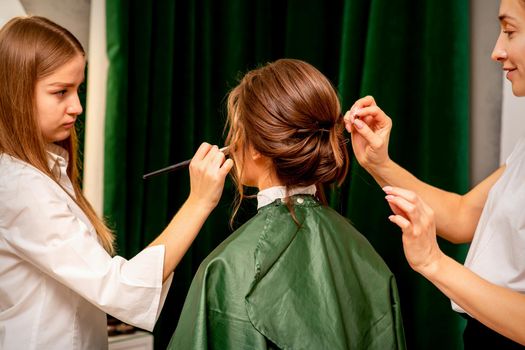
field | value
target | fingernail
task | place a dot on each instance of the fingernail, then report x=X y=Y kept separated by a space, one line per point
x=387 y=188
x=389 y=197
x=348 y=117
x=358 y=123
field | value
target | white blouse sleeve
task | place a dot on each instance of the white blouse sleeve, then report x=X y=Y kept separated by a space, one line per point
x=39 y=224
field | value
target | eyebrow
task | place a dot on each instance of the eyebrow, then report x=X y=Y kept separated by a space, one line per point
x=505 y=17
x=62 y=84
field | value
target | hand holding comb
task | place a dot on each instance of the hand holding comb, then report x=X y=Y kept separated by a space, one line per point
x=177 y=166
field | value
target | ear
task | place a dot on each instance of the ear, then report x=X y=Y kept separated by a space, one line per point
x=253 y=153
x=256 y=155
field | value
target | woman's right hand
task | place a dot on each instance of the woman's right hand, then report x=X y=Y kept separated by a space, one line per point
x=370 y=131
x=208 y=170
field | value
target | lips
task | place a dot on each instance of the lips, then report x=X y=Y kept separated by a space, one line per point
x=509 y=72
x=69 y=125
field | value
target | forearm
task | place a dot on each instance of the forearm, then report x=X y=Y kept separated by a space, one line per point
x=178 y=236
x=498 y=308
x=208 y=170
x=447 y=206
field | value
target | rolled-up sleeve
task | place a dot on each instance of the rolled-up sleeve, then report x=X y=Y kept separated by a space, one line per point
x=42 y=225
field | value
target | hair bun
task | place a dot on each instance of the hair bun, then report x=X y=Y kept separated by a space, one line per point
x=289 y=111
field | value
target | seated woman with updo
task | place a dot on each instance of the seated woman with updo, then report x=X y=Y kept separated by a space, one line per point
x=297 y=275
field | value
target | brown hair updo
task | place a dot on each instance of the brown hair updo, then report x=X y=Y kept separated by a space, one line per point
x=289 y=112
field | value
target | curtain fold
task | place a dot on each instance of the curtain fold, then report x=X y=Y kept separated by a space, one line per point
x=414 y=60
x=173 y=62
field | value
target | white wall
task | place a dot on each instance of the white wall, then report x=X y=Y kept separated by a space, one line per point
x=70 y=14
x=96 y=108
x=485 y=91
x=10 y=9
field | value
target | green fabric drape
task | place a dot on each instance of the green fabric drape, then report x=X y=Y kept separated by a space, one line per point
x=172 y=63
x=261 y=288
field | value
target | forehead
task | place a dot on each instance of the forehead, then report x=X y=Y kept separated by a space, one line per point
x=71 y=72
x=512 y=11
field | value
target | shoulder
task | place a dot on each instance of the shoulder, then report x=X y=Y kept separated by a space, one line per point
x=233 y=257
x=517 y=152
x=338 y=234
x=240 y=243
x=23 y=188
x=19 y=176
x=224 y=276
x=316 y=220
x=332 y=223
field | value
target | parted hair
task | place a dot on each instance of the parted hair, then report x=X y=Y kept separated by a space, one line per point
x=32 y=48
x=289 y=111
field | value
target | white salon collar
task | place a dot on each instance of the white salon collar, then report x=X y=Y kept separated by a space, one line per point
x=269 y=195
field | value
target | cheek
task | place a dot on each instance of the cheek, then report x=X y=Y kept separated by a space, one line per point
x=43 y=109
x=43 y=117
x=46 y=119
x=516 y=52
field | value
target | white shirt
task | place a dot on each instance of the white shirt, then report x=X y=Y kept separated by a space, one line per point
x=270 y=194
x=56 y=281
x=497 y=252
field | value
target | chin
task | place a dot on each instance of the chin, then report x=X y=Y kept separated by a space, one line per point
x=518 y=91
x=59 y=138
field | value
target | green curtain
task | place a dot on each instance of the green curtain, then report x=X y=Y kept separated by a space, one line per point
x=172 y=63
x=413 y=57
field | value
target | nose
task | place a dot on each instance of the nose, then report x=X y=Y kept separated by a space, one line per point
x=75 y=107
x=499 y=53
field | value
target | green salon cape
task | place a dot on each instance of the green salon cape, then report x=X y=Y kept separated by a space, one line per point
x=275 y=285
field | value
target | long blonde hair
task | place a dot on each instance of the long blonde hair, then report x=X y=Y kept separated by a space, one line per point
x=32 y=48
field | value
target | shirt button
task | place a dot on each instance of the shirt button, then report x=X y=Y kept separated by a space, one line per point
x=300 y=201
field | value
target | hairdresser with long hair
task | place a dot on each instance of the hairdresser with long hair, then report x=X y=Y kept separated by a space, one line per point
x=58 y=273
x=489 y=290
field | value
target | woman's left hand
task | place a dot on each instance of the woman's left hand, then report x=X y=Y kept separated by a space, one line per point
x=416 y=220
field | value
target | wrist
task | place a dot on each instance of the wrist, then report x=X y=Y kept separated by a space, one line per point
x=380 y=171
x=199 y=205
x=433 y=269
